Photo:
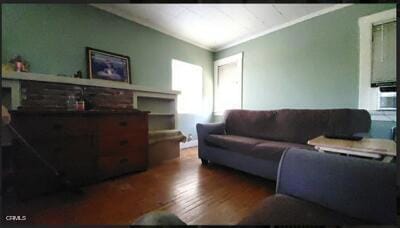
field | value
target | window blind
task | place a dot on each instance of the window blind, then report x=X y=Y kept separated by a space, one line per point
x=383 y=54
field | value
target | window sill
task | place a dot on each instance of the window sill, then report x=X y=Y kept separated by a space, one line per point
x=218 y=113
x=383 y=115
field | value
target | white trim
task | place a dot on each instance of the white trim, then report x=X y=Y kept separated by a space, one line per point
x=368 y=96
x=111 y=9
x=233 y=58
x=15 y=87
x=285 y=25
x=387 y=159
x=189 y=144
x=383 y=115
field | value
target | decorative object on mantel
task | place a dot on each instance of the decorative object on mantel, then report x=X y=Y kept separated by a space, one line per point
x=6 y=68
x=78 y=74
x=71 y=103
x=83 y=103
x=19 y=64
x=107 y=65
x=80 y=105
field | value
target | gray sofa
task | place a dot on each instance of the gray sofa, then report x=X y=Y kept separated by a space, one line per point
x=320 y=189
x=329 y=189
x=253 y=141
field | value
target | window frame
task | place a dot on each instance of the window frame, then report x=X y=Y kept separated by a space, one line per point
x=367 y=95
x=230 y=59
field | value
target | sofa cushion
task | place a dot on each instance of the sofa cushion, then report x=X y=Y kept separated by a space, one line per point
x=259 y=148
x=273 y=149
x=286 y=210
x=296 y=125
x=233 y=142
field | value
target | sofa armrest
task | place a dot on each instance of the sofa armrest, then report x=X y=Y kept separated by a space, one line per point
x=203 y=130
x=357 y=187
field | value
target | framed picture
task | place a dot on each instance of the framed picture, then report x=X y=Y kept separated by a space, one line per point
x=108 y=66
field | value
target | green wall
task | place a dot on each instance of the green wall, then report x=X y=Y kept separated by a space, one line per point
x=382 y=129
x=312 y=64
x=53 y=39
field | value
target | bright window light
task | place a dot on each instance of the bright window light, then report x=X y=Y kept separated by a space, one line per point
x=188 y=79
x=228 y=84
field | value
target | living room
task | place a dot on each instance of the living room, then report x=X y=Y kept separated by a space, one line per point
x=199 y=114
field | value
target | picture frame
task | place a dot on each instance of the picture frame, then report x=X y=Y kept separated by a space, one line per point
x=108 y=66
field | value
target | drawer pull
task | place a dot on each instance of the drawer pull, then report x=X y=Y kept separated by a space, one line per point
x=123 y=142
x=57 y=126
x=123 y=123
x=124 y=160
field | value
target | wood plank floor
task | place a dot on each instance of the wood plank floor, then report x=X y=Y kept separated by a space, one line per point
x=198 y=194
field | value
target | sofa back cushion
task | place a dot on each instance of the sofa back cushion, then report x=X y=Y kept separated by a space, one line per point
x=356 y=187
x=296 y=125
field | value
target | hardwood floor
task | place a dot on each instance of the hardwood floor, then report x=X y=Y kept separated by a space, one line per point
x=197 y=194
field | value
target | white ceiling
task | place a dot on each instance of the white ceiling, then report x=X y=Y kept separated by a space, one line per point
x=217 y=26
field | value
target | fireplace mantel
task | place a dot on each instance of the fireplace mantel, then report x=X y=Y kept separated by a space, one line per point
x=82 y=82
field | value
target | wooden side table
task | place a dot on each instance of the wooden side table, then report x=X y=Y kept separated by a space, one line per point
x=382 y=149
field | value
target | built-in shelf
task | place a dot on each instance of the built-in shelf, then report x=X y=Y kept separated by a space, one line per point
x=162 y=109
x=160 y=103
x=161 y=114
x=82 y=82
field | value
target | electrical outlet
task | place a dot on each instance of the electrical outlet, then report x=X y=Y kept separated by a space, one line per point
x=189 y=138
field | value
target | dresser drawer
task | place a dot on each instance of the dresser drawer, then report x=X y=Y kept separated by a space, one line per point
x=36 y=127
x=121 y=125
x=123 y=143
x=109 y=166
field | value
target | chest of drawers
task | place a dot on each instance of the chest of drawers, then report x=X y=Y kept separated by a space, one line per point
x=86 y=146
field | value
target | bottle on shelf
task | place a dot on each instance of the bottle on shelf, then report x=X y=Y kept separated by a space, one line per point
x=71 y=103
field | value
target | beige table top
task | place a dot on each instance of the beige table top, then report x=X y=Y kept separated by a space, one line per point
x=367 y=145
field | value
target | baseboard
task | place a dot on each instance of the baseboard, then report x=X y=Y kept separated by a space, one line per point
x=189 y=144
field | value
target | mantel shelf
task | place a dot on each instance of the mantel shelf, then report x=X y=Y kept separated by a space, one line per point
x=161 y=114
x=82 y=82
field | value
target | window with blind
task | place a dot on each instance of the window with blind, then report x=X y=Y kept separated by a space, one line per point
x=384 y=54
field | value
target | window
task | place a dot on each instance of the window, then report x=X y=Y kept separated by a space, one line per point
x=383 y=53
x=228 y=84
x=188 y=79
x=375 y=56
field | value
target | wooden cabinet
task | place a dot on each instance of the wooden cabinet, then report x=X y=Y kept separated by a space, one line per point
x=85 y=146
